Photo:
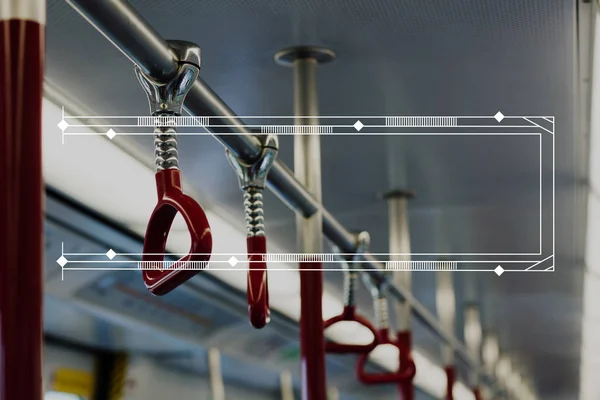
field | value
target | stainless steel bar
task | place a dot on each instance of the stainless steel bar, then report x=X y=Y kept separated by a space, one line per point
x=400 y=244
x=128 y=31
x=473 y=338
x=123 y=26
x=446 y=310
x=287 y=385
x=217 y=388
x=307 y=153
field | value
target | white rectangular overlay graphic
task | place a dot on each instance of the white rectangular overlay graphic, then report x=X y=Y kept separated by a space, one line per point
x=538 y=259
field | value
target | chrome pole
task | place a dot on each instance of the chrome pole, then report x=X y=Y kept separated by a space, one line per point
x=287 y=385
x=307 y=168
x=217 y=388
x=399 y=245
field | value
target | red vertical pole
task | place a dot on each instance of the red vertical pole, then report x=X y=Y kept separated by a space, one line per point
x=312 y=338
x=307 y=168
x=21 y=191
x=406 y=388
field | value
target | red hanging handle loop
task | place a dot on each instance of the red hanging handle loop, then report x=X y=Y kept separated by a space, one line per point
x=259 y=312
x=166 y=102
x=405 y=372
x=349 y=314
x=171 y=200
x=252 y=178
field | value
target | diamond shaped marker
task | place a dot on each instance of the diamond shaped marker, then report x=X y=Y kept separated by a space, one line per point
x=358 y=125
x=111 y=134
x=110 y=254
x=62 y=261
x=232 y=261
x=499 y=116
x=63 y=125
x=499 y=270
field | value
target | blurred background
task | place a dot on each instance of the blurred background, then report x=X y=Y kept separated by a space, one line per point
x=536 y=333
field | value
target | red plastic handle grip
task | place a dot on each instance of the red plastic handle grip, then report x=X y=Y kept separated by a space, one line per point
x=477 y=394
x=406 y=390
x=349 y=314
x=405 y=372
x=407 y=364
x=258 y=283
x=172 y=200
x=450 y=379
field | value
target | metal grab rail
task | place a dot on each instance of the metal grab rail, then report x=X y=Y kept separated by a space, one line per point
x=125 y=28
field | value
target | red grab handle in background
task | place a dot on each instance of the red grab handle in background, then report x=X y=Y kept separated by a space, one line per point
x=258 y=283
x=349 y=314
x=450 y=379
x=477 y=394
x=405 y=372
x=172 y=200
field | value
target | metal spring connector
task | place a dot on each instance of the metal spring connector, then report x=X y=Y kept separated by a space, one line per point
x=350 y=288
x=363 y=241
x=165 y=146
x=255 y=215
x=166 y=102
x=253 y=180
x=381 y=311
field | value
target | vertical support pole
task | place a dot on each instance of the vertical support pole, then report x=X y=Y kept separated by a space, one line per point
x=307 y=168
x=445 y=305
x=287 y=385
x=217 y=388
x=446 y=309
x=490 y=353
x=22 y=47
x=399 y=237
x=473 y=339
x=333 y=393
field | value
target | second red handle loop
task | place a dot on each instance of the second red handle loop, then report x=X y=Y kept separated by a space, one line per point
x=259 y=313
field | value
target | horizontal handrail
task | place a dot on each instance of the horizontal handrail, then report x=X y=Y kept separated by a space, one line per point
x=125 y=28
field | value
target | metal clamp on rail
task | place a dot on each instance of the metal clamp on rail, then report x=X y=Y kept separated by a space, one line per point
x=166 y=102
x=406 y=368
x=349 y=313
x=253 y=180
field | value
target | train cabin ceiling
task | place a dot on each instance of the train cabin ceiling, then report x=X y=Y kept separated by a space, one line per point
x=408 y=57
